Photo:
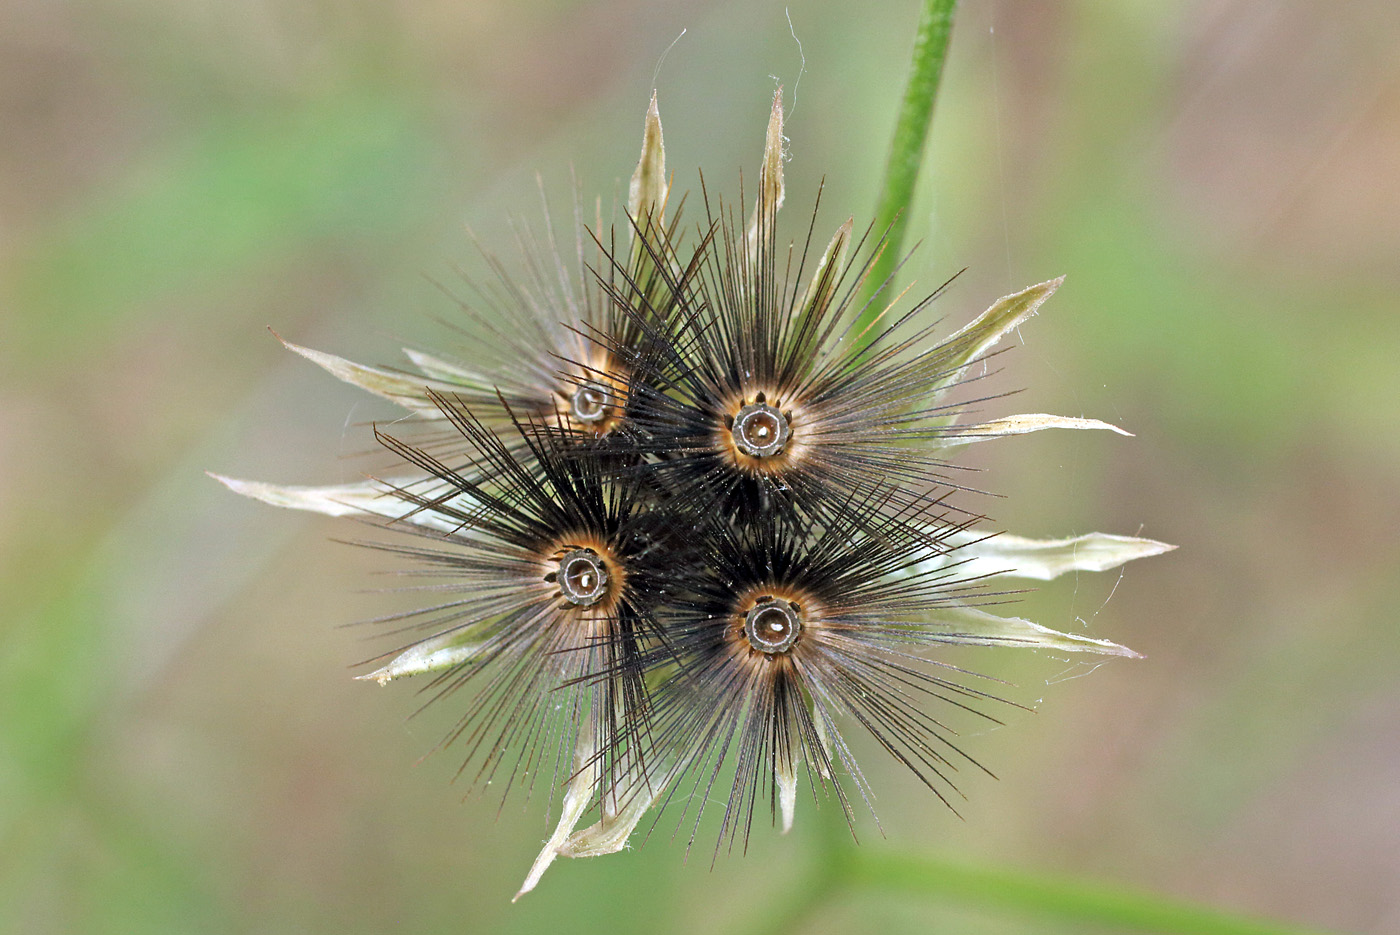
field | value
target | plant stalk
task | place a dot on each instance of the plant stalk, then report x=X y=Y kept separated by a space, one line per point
x=907 y=148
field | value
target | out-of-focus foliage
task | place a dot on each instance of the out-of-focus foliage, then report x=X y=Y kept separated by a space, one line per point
x=181 y=746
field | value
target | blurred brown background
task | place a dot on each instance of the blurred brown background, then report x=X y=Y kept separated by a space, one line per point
x=181 y=746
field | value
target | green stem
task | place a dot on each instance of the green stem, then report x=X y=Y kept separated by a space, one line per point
x=1049 y=897
x=910 y=134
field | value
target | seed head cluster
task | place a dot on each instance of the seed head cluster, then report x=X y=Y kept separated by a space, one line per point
x=684 y=517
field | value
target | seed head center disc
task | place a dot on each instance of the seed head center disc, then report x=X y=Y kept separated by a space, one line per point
x=761 y=430
x=772 y=625
x=589 y=403
x=583 y=578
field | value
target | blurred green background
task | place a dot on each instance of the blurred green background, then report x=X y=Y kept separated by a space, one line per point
x=181 y=747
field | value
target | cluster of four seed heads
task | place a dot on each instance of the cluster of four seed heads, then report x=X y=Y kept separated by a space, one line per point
x=759 y=430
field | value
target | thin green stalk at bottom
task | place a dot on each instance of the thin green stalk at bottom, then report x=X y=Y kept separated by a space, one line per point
x=839 y=870
x=1045 y=896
